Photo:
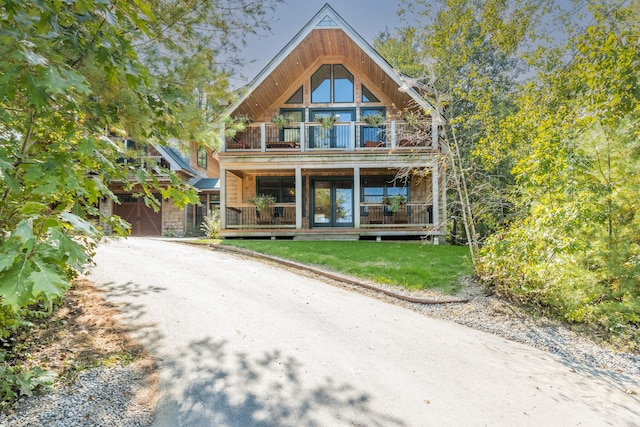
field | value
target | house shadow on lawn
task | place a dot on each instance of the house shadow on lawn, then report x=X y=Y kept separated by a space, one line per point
x=204 y=384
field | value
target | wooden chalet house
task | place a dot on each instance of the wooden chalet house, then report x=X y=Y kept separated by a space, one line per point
x=329 y=166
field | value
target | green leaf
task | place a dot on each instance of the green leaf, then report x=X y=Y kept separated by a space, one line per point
x=30 y=209
x=48 y=282
x=33 y=59
x=79 y=224
x=24 y=231
x=54 y=81
x=73 y=250
x=14 y=287
x=7 y=260
x=5 y=166
x=37 y=95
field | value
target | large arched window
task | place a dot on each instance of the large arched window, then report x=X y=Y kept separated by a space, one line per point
x=332 y=83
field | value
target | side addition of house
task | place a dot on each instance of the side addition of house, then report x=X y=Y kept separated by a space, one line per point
x=327 y=141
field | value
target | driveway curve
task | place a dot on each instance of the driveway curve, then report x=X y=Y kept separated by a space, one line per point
x=243 y=343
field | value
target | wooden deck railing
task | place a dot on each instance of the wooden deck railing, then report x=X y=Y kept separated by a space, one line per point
x=372 y=215
x=408 y=215
x=280 y=215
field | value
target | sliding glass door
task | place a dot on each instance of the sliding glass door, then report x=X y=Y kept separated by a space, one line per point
x=336 y=136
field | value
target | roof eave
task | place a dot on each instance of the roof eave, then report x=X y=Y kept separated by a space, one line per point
x=340 y=23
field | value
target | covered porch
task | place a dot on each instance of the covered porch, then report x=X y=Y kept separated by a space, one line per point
x=346 y=201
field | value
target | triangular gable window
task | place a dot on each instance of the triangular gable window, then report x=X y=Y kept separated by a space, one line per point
x=327 y=22
x=296 y=98
x=368 y=96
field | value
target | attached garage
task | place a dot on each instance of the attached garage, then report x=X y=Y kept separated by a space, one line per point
x=143 y=219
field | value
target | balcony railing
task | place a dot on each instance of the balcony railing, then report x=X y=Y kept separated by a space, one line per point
x=408 y=215
x=350 y=136
x=372 y=215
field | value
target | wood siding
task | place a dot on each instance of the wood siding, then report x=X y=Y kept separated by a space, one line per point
x=321 y=46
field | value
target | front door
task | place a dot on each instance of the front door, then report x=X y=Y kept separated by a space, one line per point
x=332 y=203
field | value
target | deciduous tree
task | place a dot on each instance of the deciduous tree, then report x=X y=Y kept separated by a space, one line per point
x=574 y=245
x=74 y=72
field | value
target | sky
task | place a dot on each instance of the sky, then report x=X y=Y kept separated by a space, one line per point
x=367 y=17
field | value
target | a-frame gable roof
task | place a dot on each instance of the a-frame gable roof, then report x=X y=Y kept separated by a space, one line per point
x=293 y=60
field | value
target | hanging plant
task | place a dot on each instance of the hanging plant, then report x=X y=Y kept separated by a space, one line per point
x=394 y=202
x=282 y=120
x=327 y=122
x=374 y=120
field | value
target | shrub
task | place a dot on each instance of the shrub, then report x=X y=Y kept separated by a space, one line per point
x=211 y=224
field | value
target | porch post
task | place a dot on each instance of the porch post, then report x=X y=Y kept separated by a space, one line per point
x=223 y=198
x=299 y=200
x=352 y=136
x=263 y=136
x=435 y=197
x=302 y=139
x=356 y=197
x=393 y=135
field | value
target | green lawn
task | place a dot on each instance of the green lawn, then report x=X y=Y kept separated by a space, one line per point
x=408 y=264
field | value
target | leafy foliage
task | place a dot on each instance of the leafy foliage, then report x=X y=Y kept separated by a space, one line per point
x=545 y=164
x=401 y=50
x=470 y=65
x=19 y=382
x=211 y=224
x=71 y=75
x=262 y=201
x=574 y=246
x=394 y=202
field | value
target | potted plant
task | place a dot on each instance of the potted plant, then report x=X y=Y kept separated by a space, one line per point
x=394 y=202
x=262 y=201
x=282 y=120
x=243 y=119
x=412 y=119
x=374 y=120
x=263 y=204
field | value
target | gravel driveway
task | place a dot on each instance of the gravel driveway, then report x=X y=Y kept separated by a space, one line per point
x=244 y=343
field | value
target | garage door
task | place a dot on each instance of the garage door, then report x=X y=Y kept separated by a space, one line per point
x=143 y=219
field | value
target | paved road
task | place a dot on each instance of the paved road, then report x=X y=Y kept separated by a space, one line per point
x=242 y=343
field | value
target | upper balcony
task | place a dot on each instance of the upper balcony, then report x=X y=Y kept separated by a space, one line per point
x=345 y=136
